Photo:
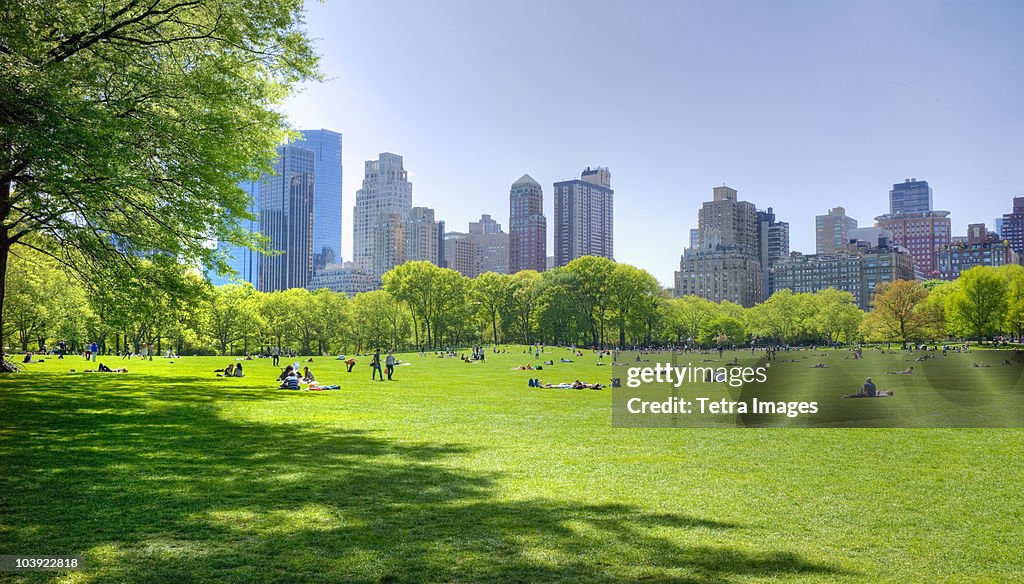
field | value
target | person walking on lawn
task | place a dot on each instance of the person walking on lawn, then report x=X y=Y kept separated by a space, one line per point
x=375 y=366
x=389 y=364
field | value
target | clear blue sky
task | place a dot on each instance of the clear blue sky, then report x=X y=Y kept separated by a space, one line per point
x=800 y=106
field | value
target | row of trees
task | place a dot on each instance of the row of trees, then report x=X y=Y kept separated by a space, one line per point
x=591 y=301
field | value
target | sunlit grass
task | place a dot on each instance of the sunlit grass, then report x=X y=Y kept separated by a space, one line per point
x=459 y=472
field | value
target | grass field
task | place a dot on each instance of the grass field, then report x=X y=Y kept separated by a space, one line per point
x=457 y=472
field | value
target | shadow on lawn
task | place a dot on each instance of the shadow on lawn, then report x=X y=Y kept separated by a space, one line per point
x=172 y=493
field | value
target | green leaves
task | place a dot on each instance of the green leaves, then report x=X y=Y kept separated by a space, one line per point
x=125 y=127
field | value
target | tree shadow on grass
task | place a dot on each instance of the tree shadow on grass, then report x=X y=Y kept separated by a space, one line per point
x=178 y=493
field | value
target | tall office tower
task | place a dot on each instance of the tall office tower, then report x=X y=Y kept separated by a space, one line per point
x=726 y=265
x=527 y=226
x=461 y=254
x=921 y=233
x=326 y=147
x=584 y=216
x=286 y=220
x=773 y=243
x=441 y=259
x=910 y=196
x=832 y=231
x=242 y=260
x=493 y=244
x=386 y=191
x=1012 y=228
x=773 y=237
x=389 y=248
x=421 y=236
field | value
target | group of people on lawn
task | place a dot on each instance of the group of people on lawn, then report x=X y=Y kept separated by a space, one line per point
x=290 y=378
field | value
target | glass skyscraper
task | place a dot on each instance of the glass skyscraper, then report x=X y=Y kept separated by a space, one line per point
x=242 y=260
x=286 y=219
x=910 y=196
x=326 y=147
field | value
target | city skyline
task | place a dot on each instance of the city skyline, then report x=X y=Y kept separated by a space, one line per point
x=677 y=112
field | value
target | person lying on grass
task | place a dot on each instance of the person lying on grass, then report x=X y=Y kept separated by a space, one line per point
x=574 y=385
x=104 y=369
x=869 y=390
x=819 y=365
x=907 y=371
x=980 y=365
x=527 y=367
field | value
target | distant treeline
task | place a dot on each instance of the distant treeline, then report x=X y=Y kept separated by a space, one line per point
x=590 y=302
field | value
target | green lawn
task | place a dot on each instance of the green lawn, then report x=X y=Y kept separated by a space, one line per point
x=459 y=472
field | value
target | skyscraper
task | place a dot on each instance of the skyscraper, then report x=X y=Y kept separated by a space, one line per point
x=832 y=231
x=492 y=242
x=584 y=216
x=910 y=196
x=242 y=260
x=422 y=236
x=286 y=219
x=726 y=265
x=326 y=147
x=773 y=242
x=386 y=191
x=528 y=244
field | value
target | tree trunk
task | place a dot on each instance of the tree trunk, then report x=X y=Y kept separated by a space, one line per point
x=5 y=250
x=494 y=325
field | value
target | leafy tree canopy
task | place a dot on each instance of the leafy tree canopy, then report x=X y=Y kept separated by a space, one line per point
x=126 y=125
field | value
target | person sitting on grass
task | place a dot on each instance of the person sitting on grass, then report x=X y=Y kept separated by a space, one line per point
x=869 y=390
x=307 y=376
x=284 y=374
x=291 y=381
x=238 y=371
x=907 y=371
x=28 y=357
x=228 y=371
